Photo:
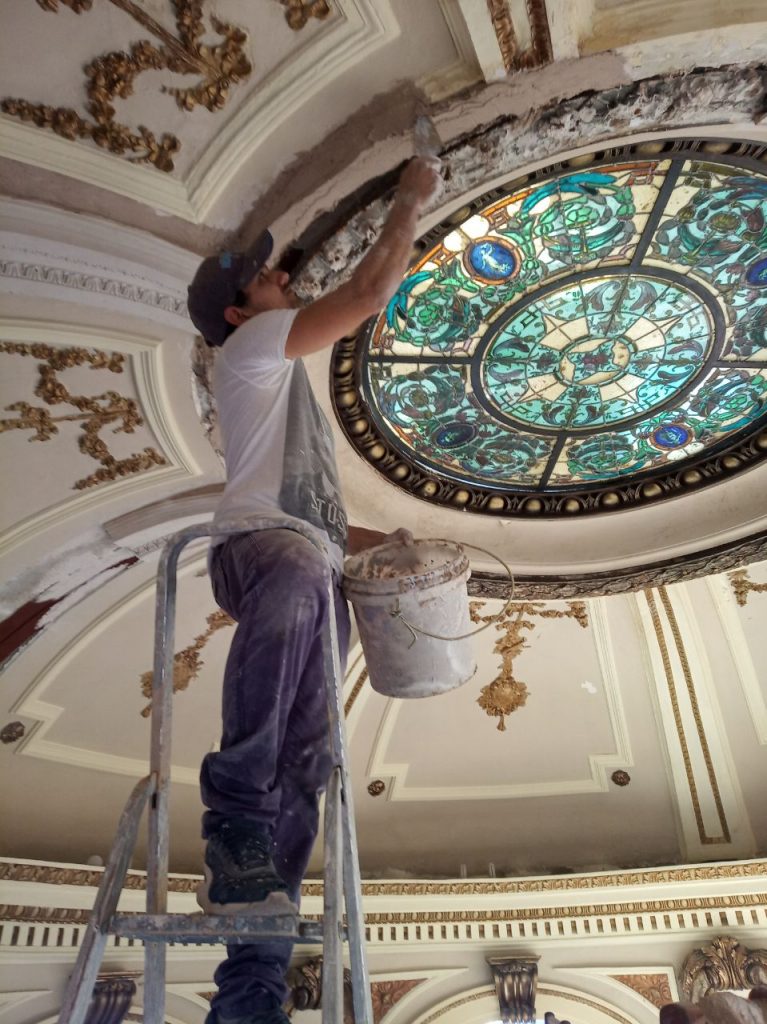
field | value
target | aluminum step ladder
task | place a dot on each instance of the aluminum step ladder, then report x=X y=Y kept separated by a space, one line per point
x=157 y=927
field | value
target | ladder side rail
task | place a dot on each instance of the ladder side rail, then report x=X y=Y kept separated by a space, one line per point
x=162 y=710
x=352 y=884
x=355 y=917
x=332 y=946
x=158 y=845
x=79 y=991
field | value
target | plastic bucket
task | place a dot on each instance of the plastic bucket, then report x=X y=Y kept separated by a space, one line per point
x=400 y=593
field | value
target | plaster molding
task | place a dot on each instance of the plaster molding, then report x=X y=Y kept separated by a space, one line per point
x=600 y=765
x=726 y=607
x=709 y=804
x=702 y=879
x=361 y=28
x=650 y=983
x=623 y=579
x=148 y=374
x=44 y=225
x=10 y=999
x=23 y=925
x=709 y=724
x=102 y=170
x=84 y=280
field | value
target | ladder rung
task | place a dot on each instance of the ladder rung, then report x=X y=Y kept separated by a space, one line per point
x=198 y=928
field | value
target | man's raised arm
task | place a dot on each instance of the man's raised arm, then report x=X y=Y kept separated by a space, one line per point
x=377 y=277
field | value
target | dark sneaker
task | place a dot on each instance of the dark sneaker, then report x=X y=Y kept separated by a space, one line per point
x=240 y=877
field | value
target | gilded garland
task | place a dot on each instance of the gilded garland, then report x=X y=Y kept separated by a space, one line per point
x=506 y=694
x=742 y=585
x=112 y=76
x=187 y=663
x=93 y=412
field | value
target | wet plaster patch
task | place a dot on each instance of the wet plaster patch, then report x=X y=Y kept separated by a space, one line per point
x=380 y=135
x=734 y=95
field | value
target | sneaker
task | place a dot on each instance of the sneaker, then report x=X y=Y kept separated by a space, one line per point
x=240 y=876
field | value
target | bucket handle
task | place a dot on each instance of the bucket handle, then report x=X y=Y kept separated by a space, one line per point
x=396 y=613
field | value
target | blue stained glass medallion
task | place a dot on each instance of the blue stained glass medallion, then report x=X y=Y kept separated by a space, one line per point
x=581 y=335
x=756 y=274
x=492 y=260
x=673 y=435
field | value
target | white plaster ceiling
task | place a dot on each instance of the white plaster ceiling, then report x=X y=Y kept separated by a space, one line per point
x=667 y=685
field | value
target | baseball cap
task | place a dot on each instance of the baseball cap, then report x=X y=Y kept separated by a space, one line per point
x=216 y=283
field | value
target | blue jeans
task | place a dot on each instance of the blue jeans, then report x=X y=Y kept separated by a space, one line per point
x=274 y=759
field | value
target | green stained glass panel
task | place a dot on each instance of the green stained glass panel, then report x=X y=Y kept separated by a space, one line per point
x=576 y=221
x=433 y=413
x=594 y=325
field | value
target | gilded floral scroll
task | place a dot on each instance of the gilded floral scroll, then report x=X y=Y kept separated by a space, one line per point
x=94 y=413
x=112 y=76
x=506 y=694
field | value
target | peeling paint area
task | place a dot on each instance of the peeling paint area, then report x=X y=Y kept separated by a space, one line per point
x=35 y=599
x=203 y=358
x=734 y=95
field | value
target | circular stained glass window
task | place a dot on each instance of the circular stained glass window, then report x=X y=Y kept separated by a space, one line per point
x=581 y=341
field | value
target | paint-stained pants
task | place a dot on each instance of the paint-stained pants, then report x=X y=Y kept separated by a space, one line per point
x=274 y=758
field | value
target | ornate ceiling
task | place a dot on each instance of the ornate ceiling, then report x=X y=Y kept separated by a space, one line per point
x=595 y=178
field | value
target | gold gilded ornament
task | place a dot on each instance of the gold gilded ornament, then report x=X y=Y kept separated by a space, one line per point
x=93 y=413
x=742 y=585
x=187 y=663
x=506 y=694
x=298 y=12
x=722 y=965
x=502 y=697
x=112 y=76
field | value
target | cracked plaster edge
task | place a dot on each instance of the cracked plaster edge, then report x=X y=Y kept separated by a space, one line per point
x=660 y=104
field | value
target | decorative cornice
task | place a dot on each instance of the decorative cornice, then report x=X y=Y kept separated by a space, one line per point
x=112 y=75
x=90 y=282
x=623 y=580
x=576 y=911
x=14 y=871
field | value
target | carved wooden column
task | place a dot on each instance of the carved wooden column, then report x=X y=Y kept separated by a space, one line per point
x=516 y=980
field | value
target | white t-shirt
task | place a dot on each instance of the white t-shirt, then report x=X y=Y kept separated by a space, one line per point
x=278 y=446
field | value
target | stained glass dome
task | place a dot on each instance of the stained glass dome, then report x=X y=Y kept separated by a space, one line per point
x=592 y=336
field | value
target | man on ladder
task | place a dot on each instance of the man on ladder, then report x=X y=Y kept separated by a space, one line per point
x=262 y=788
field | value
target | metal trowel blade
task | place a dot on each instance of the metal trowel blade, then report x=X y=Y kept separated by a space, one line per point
x=425 y=137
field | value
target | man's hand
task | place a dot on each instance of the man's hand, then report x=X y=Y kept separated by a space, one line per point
x=378 y=275
x=419 y=182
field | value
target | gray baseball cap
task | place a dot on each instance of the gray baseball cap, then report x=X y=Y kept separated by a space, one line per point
x=216 y=283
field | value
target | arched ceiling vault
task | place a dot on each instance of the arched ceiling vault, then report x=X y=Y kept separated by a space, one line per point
x=135 y=137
